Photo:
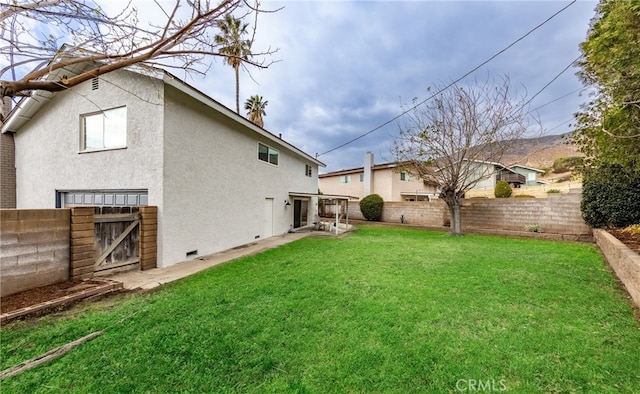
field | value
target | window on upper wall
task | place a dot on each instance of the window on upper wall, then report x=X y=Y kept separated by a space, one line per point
x=404 y=176
x=361 y=177
x=104 y=130
x=307 y=170
x=267 y=154
x=345 y=179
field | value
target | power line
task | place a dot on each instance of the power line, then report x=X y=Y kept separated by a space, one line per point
x=451 y=84
x=558 y=126
x=552 y=80
x=559 y=98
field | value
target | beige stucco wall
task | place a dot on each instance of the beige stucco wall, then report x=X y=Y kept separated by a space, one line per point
x=215 y=187
x=48 y=156
x=386 y=183
x=332 y=185
x=202 y=174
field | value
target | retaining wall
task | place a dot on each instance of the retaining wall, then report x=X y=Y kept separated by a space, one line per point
x=34 y=248
x=624 y=261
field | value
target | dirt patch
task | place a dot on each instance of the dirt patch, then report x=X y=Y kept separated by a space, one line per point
x=56 y=297
x=631 y=240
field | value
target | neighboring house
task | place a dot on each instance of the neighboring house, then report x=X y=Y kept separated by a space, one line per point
x=492 y=172
x=389 y=180
x=530 y=173
x=134 y=138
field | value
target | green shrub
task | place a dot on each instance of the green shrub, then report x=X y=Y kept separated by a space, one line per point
x=502 y=190
x=611 y=196
x=524 y=196
x=561 y=170
x=552 y=191
x=371 y=207
x=563 y=164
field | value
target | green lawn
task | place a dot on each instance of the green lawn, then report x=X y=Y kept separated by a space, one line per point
x=383 y=310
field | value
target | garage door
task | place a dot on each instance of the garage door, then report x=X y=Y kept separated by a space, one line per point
x=102 y=198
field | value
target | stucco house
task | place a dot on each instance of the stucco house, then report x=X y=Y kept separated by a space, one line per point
x=134 y=137
x=492 y=172
x=389 y=180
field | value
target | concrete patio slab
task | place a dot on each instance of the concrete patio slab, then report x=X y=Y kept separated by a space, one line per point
x=155 y=277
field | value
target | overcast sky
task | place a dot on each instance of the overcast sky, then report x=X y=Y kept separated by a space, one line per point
x=346 y=67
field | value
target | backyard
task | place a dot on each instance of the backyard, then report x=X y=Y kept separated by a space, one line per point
x=393 y=310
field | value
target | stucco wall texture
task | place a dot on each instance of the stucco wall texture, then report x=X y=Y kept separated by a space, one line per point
x=199 y=167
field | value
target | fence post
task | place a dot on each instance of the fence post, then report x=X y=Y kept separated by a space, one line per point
x=148 y=237
x=82 y=259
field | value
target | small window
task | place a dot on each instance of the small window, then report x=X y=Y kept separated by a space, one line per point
x=404 y=176
x=307 y=170
x=267 y=154
x=345 y=179
x=104 y=130
x=362 y=177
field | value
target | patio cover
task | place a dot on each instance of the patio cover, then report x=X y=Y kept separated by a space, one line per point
x=329 y=197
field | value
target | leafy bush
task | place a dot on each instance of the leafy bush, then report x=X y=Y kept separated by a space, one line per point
x=561 y=170
x=611 y=196
x=502 y=190
x=567 y=163
x=552 y=191
x=524 y=196
x=634 y=229
x=371 y=207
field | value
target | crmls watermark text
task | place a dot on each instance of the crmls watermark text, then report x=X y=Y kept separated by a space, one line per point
x=479 y=385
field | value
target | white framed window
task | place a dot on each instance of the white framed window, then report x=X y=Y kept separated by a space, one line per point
x=404 y=176
x=362 y=177
x=104 y=130
x=308 y=171
x=267 y=154
x=345 y=179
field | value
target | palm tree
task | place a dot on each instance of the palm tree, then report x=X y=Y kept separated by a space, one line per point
x=255 y=109
x=233 y=46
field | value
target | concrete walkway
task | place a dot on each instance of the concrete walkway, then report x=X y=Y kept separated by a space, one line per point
x=157 y=276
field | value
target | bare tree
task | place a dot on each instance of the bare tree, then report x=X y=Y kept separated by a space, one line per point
x=453 y=140
x=98 y=42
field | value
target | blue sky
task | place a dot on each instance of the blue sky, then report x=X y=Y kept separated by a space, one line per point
x=345 y=67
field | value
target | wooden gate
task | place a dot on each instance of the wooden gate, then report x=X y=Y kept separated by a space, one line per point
x=117 y=239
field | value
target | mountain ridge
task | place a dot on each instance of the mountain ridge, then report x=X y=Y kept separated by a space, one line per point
x=540 y=152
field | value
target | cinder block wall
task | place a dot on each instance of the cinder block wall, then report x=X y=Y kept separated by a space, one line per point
x=558 y=214
x=624 y=261
x=34 y=248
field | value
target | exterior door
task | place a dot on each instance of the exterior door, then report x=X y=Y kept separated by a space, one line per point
x=300 y=213
x=268 y=218
x=297 y=209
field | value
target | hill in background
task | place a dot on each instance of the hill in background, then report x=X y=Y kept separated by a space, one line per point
x=540 y=152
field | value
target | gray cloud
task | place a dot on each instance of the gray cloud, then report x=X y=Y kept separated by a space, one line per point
x=344 y=68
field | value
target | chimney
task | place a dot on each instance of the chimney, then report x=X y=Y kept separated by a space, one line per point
x=368 y=174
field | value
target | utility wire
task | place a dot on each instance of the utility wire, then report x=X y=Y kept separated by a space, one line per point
x=451 y=84
x=552 y=81
x=559 y=98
